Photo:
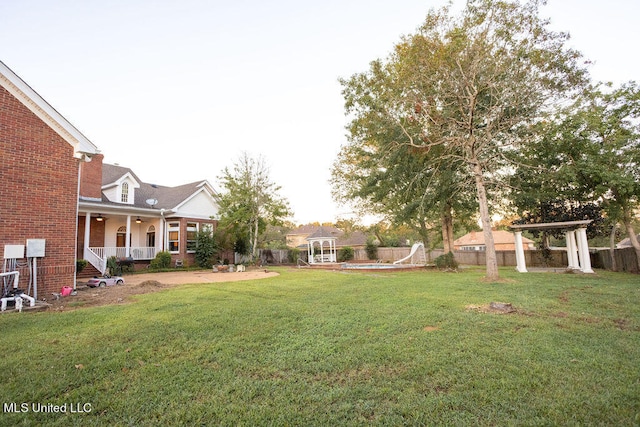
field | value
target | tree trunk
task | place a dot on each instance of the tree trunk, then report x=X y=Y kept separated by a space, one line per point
x=483 y=204
x=424 y=233
x=254 y=240
x=447 y=228
x=626 y=219
x=612 y=247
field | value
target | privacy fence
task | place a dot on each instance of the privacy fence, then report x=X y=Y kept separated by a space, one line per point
x=625 y=258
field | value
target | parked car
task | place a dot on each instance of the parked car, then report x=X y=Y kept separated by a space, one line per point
x=105 y=280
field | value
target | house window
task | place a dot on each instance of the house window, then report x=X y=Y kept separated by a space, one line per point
x=173 y=237
x=192 y=231
x=124 y=195
x=151 y=237
x=121 y=237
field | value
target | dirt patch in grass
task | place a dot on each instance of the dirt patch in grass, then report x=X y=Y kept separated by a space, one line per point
x=146 y=283
x=491 y=308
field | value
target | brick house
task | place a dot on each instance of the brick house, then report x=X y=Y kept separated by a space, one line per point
x=120 y=215
x=56 y=190
x=40 y=157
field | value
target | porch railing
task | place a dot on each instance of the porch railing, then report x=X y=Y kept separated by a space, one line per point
x=135 y=252
x=94 y=258
x=97 y=256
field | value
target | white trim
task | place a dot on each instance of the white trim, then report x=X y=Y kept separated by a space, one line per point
x=41 y=108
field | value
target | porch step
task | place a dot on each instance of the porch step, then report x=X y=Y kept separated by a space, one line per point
x=88 y=272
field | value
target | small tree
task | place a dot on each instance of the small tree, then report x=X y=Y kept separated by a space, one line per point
x=345 y=254
x=371 y=249
x=250 y=201
x=206 y=249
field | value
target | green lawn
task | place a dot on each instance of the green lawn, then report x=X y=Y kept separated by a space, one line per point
x=333 y=348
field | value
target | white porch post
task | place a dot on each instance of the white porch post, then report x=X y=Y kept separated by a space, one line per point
x=520 y=260
x=87 y=234
x=160 y=236
x=310 y=252
x=321 y=250
x=572 y=256
x=583 y=250
x=127 y=243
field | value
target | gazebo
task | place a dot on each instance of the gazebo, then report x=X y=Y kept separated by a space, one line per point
x=321 y=237
x=577 y=246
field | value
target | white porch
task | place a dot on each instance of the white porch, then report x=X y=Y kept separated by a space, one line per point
x=125 y=236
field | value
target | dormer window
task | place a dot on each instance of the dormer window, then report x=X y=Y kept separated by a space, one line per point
x=124 y=195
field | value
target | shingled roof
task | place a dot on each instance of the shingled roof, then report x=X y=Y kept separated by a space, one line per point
x=167 y=197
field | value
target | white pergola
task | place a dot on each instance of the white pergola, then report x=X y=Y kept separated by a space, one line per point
x=577 y=246
x=322 y=237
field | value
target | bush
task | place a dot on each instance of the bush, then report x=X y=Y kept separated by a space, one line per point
x=162 y=260
x=345 y=254
x=446 y=261
x=81 y=264
x=293 y=255
x=112 y=265
x=372 y=250
x=206 y=249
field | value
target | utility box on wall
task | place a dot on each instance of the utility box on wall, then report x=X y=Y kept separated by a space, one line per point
x=35 y=248
x=13 y=251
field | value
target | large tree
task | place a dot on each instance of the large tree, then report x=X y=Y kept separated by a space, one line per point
x=588 y=153
x=466 y=89
x=249 y=201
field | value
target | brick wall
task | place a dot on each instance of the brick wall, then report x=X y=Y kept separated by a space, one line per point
x=38 y=192
x=91 y=173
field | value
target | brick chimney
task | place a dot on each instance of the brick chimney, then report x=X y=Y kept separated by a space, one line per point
x=91 y=177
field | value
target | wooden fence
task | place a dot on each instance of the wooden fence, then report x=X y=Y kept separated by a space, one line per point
x=626 y=260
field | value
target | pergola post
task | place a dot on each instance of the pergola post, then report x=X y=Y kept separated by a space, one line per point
x=520 y=260
x=583 y=250
x=572 y=255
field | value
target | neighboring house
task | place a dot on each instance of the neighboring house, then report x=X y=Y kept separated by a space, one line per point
x=120 y=215
x=503 y=241
x=626 y=243
x=40 y=155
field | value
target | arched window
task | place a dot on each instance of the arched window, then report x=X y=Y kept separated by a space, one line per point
x=124 y=195
x=121 y=237
x=151 y=237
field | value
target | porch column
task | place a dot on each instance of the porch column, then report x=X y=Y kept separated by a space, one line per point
x=520 y=260
x=310 y=252
x=572 y=256
x=87 y=234
x=160 y=236
x=321 y=250
x=127 y=243
x=583 y=250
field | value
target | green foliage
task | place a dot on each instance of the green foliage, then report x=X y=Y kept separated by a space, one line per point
x=81 y=264
x=161 y=261
x=293 y=255
x=112 y=265
x=206 y=249
x=249 y=201
x=441 y=113
x=371 y=249
x=346 y=254
x=446 y=261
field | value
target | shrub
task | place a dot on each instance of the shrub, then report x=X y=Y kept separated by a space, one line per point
x=446 y=261
x=206 y=249
x=162 y=260
x=112 y=265
x=81 y=264
x=293 y=255
x=345 y=254
x=372 y=250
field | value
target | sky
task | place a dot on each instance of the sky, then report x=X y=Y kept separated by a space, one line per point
x=179 y=90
